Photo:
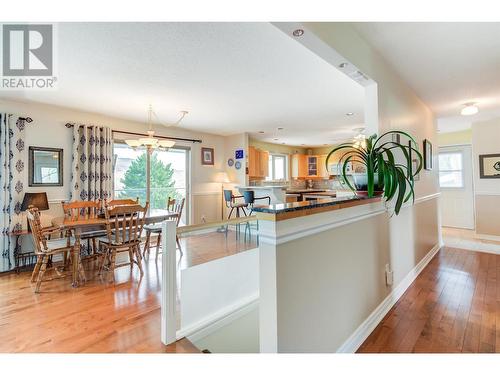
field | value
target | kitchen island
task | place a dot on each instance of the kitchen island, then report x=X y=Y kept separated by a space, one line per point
x=277 y=193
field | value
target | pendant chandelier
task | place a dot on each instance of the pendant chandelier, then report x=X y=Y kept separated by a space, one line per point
x=151 y=142
x=360 y=139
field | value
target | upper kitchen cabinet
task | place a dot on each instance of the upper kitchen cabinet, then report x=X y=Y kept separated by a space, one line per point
x=299 y=165
x=258 y=163
x=309 y=166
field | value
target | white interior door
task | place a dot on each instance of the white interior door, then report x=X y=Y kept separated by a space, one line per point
x=457 y=190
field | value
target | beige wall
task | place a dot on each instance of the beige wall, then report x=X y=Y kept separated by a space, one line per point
x=455 y=138
x=48 y=130
x=337 y=283
x=485 y=140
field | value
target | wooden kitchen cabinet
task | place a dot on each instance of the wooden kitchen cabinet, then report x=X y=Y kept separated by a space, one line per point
x=299 y=165
x=312 y=166
x=258 y=163
x=264 y=163
x=309 y=166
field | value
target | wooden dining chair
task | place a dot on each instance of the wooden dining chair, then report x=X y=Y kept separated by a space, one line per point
x=120 y=202
x=172 y=206
x=84 y=210
x=45 y=247
x=124 y=226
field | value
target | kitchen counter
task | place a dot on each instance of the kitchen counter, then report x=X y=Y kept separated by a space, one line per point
x=285 y=211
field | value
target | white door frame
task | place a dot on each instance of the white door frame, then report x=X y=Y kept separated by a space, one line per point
x=464 y=146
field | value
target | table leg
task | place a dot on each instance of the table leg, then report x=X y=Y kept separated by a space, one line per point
x=76 y=259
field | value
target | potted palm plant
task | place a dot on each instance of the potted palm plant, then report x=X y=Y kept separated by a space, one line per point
x=381 y=166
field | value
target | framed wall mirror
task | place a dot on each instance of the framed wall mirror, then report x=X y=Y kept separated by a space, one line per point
x=45 y=166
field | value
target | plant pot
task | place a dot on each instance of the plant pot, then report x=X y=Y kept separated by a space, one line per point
x=361 y=185
x=364 y=193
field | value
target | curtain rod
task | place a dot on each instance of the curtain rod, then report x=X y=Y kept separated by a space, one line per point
x=69 y=125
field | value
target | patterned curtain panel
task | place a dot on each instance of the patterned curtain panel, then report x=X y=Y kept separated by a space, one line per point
x=91 y=170
x=12 y=177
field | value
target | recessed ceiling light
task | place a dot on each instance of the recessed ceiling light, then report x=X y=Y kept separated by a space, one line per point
x=469 y=109
x=298 y=32
x=343 y=65
x=349 y=114
x=261 y=132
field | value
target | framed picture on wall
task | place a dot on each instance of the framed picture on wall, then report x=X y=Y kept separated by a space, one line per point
x=45 y=166
x=427 y=155
x=489 y=166
x=207 y=156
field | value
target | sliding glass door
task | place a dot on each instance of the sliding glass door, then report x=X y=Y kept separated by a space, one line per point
x=168 y=172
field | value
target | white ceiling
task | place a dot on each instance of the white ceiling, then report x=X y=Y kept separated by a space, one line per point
x=231 y=77
x=447 y=64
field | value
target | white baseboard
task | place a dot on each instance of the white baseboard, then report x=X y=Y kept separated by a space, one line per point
x=471 y=245
x=488 y=237
x=367 y=327
x=218 y=320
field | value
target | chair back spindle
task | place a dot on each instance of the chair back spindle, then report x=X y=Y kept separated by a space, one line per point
x=124 y=224
x=81 y=210
x=36 y=229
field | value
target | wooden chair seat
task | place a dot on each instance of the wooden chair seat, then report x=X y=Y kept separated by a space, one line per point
x=125 y=241
x=93 y=234
x=153 y=228
x=59 y=244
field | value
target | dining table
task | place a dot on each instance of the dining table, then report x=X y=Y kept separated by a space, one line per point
x=83 y=225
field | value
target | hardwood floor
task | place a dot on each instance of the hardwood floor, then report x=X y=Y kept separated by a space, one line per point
x=99 y=316
x=453 y=306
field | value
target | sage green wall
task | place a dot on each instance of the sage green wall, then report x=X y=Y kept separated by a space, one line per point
x=455 y=138
x=279 y=149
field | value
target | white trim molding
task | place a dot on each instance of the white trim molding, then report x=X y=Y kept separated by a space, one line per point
x=366 y=328
x=493 y=193
x=218 y=320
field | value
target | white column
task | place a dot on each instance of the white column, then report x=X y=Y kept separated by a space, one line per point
x=168 y=285
x=268 y=311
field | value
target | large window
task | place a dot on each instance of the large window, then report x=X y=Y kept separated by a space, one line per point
x=168 y=175
x=277 y=167
x=451 y=173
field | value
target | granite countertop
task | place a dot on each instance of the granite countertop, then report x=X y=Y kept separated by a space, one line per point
x=321 y=193
x=308 y=205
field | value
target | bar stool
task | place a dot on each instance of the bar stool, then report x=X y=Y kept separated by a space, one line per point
x=250 y=199
x=231 y=203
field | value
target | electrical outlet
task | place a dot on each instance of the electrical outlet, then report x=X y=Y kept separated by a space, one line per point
x=389 y=275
